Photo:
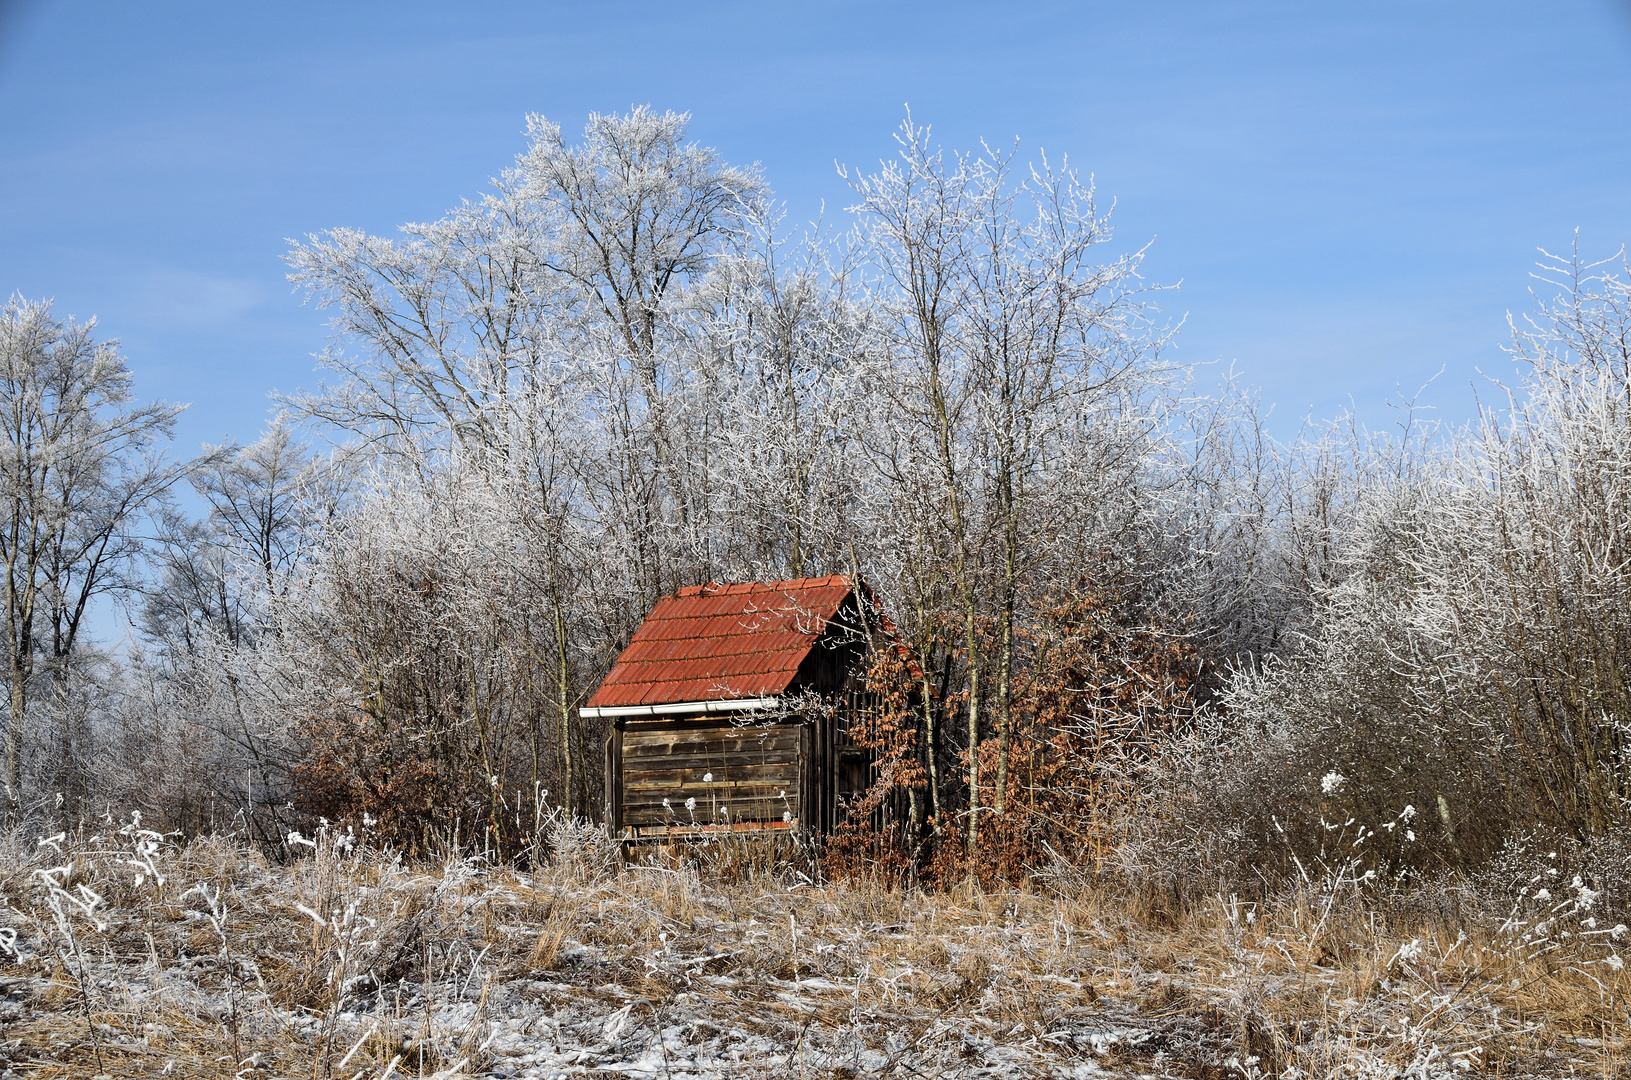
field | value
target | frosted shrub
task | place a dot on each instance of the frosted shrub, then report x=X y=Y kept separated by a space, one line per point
x=1468 y=606
x=580 y=846
x=1332 y=738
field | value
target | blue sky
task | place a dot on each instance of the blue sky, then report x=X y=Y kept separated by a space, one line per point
x=1351 y=195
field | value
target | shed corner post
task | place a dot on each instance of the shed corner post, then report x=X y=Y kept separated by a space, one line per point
x=614 y=781
x=809 y=783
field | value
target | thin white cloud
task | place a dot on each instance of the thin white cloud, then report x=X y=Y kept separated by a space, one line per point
x=170 y=297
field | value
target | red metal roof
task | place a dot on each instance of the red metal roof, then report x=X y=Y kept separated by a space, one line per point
x=717 y=642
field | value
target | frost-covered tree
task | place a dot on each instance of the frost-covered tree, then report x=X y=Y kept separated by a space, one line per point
x=268 y=503
x=1015 y=381
x=78 y=466
x=213 y=605
x=785 y=337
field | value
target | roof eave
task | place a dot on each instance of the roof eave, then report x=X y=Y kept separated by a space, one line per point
x=681 y=708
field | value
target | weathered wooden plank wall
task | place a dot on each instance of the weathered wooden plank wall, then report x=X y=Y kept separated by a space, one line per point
x=736 y=775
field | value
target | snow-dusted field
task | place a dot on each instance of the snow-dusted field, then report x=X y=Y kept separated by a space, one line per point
x=124 y=956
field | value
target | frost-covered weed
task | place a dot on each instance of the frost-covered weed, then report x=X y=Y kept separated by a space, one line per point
x=578 y=845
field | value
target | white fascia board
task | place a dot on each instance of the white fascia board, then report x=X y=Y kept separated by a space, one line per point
x=681 y=708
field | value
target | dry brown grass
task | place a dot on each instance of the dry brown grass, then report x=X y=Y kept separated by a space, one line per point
x=717 y=963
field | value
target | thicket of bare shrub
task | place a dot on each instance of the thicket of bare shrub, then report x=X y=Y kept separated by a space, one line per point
x=1458 y=686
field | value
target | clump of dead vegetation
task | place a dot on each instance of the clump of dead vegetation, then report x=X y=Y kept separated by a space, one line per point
x=123 y=953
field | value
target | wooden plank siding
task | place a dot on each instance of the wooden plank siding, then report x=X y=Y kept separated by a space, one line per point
x=793 y=773
x=739 y=776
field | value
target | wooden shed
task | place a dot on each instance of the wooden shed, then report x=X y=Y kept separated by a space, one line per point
x=730 y=710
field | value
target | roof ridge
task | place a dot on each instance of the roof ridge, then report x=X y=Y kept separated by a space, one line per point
x=736 y=588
